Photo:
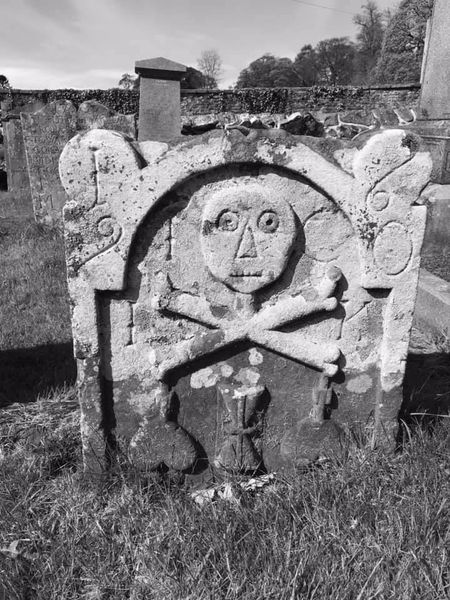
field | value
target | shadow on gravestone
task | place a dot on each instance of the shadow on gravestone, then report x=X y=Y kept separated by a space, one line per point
x=241 y=302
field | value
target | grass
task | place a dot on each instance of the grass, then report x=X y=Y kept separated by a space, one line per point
x=33 y=292
x=35 y=334
x=369 y=525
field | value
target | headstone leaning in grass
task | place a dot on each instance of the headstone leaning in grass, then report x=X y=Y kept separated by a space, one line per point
x=240 y=303
x=46 y=132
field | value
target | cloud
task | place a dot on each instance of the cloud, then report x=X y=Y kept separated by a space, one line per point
x=47 y=78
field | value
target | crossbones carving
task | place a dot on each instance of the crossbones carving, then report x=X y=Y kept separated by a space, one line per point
x=258 y=327
x=246 y=237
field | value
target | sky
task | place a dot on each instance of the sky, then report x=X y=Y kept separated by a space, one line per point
x=91 y=43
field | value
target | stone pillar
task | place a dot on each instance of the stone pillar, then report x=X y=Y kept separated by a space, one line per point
x=434 y=107
x=159 y=101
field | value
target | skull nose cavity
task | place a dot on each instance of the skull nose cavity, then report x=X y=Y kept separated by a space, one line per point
x=247 y=246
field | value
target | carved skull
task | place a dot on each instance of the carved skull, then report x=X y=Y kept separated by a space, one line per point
x=247 y=237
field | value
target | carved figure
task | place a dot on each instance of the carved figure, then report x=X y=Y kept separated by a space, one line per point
x=243 y=408
x=246 y=241
x=247 y=324
x=247 y=237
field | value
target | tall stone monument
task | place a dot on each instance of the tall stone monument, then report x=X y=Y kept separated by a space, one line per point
x=159 y=99
x=240 y=302
x=434 y=106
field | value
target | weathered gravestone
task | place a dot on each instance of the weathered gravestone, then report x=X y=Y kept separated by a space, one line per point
x=16 y=165
x=159 y=98
x=94 y=115
x=240 y=302
x=46 y=132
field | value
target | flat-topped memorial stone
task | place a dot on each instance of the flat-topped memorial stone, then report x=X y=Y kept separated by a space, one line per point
x=159 y=98
x=240 y=303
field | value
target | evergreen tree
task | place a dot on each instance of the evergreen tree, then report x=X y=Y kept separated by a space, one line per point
x=402 y=51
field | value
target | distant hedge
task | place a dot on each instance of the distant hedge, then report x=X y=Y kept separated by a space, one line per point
x=122 y=101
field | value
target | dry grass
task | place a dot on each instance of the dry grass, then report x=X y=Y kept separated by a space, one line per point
x=371 y=525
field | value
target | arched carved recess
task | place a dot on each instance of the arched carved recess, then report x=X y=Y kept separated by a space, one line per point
x=307 y=300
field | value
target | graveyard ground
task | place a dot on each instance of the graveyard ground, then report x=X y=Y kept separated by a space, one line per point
x=368 y=525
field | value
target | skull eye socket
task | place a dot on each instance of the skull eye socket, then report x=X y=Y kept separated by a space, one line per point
x=228 y=221
x=268 y=221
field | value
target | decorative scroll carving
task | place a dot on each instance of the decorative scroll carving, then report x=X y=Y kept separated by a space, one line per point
x=101 y=231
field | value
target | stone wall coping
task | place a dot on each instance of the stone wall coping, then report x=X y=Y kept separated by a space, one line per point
x=390 y=86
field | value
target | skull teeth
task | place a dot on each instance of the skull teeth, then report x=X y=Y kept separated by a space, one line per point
x=243 y=273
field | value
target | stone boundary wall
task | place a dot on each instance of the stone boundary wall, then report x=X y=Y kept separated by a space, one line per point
x=289 y=100
x=253 y=101
x=121 y=101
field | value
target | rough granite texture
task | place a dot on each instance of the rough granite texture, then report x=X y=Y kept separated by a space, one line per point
x=240 y=301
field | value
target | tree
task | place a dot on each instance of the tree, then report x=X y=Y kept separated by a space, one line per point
x=210 y=64
x=127 y=81
x=335 y=61
x=193 y=79
x=369 y=39
x=401 y=55
x=306 y=68
x=269 y=71
x=4 y=83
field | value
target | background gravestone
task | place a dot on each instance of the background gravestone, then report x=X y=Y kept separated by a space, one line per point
x=16 y=165
x=94 y=115
x=240 y=302
x=159 y=98
x=45 y=134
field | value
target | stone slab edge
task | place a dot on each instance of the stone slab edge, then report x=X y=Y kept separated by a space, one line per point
x=432 y=304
